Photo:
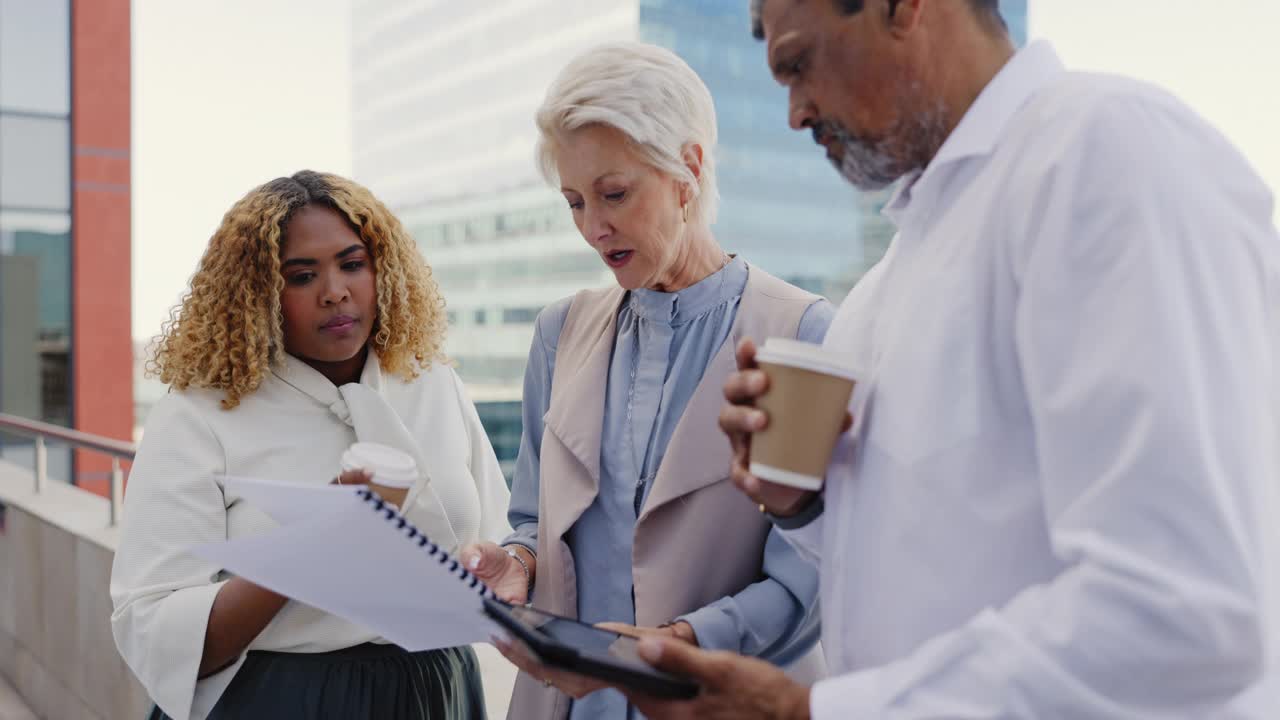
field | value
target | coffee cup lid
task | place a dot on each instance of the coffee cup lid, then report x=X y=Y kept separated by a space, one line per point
x=797 y=353
x=390 y=467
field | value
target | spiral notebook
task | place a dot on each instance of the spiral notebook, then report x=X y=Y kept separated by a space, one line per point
x=344 y=551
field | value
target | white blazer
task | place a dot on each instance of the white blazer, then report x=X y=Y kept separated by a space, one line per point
x=294 y=427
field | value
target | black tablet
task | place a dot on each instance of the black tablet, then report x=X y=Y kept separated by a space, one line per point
x=567 y=644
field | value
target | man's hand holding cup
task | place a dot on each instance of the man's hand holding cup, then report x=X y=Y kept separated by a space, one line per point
x=790 y=403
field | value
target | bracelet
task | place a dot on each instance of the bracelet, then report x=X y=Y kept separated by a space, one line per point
x=807 y=514
x=528 y=574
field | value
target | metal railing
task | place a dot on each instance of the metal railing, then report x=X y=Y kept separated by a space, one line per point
x=116 y=449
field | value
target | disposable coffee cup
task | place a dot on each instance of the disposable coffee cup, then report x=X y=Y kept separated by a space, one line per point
x=808 y=395
x=394 y=472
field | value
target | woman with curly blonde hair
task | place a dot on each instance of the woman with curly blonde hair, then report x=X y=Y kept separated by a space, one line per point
x=312 y=322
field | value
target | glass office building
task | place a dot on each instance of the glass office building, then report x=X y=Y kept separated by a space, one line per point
x=35 y=209
x=64 y=222
x=782 y=205
x=1014 y=13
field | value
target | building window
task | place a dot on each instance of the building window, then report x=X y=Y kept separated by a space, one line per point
x=495 y=227
x=501 y=422
x=35 y=315
x=519 y=315
x=35 y=169
x=489 y=369
x=479 y=317
x=35 y=56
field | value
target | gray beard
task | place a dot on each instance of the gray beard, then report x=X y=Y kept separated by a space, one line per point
x=871 y=165
x=867 y=165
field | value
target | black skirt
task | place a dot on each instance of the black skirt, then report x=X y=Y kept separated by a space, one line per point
x=366 y=682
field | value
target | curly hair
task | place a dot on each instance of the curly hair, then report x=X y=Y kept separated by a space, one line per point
x=228 y=332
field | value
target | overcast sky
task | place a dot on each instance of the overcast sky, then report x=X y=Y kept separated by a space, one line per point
x=230 y=94
x=226 y=95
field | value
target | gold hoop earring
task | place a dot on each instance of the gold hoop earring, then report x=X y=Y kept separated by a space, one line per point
x=684 y=210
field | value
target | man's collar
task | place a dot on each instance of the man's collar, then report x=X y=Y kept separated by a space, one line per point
x=984 y=123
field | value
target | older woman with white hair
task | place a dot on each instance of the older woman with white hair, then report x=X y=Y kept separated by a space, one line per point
x=621 y=503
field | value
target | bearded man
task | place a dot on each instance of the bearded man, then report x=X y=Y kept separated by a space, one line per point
x=1058 y=496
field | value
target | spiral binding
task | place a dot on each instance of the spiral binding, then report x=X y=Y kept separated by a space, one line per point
x=433 y=550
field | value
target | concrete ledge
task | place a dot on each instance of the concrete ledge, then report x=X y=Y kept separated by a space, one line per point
x=56 y=647
x=80 y=513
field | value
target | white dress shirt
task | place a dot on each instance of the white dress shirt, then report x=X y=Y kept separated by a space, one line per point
x=294 y=427
x=1059 y=499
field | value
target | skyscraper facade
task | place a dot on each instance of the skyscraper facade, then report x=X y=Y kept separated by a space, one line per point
x=782 y=205
x=65 y=353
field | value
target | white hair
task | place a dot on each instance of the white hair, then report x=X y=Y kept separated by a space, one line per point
x=648 y=94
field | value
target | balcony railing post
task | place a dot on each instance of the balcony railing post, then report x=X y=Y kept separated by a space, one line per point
x=117 y=490
x=42 y=432
x=42 y=464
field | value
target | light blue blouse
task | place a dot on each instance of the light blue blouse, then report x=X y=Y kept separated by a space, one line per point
x=663 y=344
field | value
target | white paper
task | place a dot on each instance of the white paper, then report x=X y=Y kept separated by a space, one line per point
x=289 y=502
x=335 y=552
